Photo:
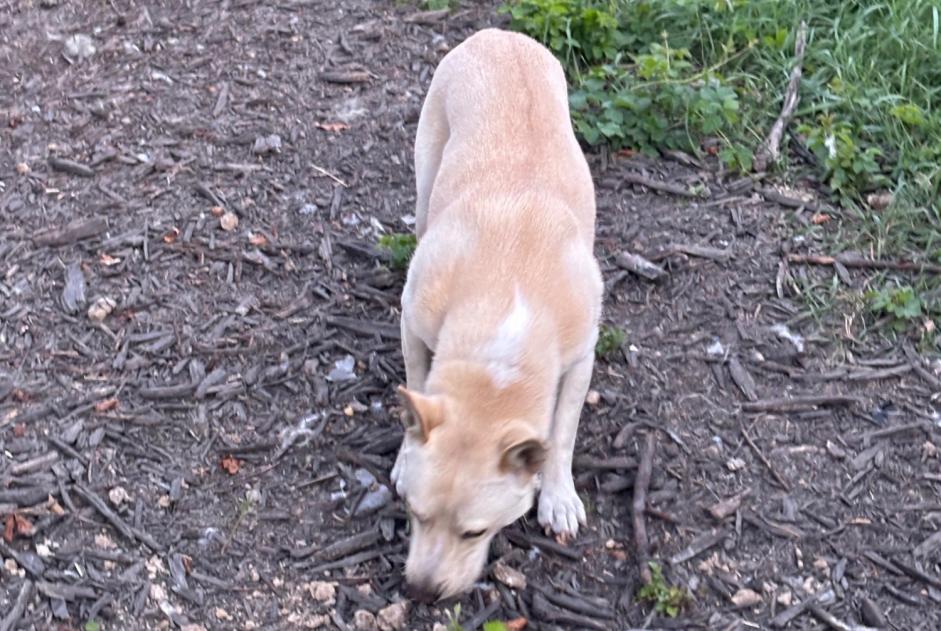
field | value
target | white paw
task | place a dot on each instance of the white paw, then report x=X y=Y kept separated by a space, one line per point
x=560 y=508
x=398 y=473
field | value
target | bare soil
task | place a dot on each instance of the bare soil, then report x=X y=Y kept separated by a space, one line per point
x=181 y=443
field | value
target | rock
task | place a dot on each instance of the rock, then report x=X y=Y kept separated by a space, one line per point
x=593 y=398
x=118 y=495
x=267 y=144
x=101 y=309
x=373 y=501
x=364 y=620
x=73 y=294
x=323 y=592
x=512 y=578
x=393 y=617
x=229 y=221
x=79 y=46
x=746 y=598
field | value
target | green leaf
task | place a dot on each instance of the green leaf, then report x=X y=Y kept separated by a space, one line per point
x=92 y=625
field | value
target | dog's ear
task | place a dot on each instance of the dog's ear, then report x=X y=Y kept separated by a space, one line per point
x=422 y=413
x=523 y=456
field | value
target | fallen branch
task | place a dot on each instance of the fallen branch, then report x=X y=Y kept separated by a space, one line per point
x=641 y=485
x=689 y=249
x=769 y=150
x=12 y=619
x=664 y=187
x=639 y=265
x=764 y=460
x=798 y=404
x=859 y=262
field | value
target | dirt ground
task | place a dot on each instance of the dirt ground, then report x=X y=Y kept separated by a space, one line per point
x=197 y=412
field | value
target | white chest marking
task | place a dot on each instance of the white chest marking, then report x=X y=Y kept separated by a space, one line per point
x=504 y=351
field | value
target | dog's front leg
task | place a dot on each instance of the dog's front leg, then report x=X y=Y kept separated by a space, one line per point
x=560 y=508
x=417 y=364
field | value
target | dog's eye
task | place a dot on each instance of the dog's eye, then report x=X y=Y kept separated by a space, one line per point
x=472 y=534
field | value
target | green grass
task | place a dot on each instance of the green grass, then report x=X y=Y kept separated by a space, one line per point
x=399 y=247
x=708 y=77
x=666 y=599
x=610 y=339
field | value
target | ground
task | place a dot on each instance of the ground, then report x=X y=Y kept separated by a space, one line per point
x=188 y=254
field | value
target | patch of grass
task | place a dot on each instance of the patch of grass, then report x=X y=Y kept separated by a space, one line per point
x=708 y=77
x=454 y=624
x=436 y=5
x=667 y=600
x=901 y=304
x=610 y=339
x=400 y=248
x=92 y=625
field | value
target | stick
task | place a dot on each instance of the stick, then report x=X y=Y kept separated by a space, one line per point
x=833 y=622
x=323 y=171
x=854 y=260
x=769 y=150
x=10 y=621
x=639 y=265
x=798 y=404
x=664 y=187
x=766 y=462
x=72 y=232
x=71 y=167
x=641 y=485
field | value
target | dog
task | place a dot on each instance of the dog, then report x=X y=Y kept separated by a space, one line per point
x=500 y=309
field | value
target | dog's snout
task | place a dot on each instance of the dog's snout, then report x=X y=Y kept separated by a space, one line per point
x=423 y=592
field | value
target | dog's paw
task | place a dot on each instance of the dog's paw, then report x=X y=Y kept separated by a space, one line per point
x=560 y=508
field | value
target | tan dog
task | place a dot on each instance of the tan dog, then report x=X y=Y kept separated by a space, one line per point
x=500 y=310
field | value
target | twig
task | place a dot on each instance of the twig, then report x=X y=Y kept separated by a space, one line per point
x=12 y=618
x=639 y=265
x=664 y=187
x=854 y=260
x=71 y=232
x=71 y=167
x=689 y=249
x=323 y=171
x=799 y=403
x=833 y=622
x=769 y=150
x=765 y=461
x=641 y=485
x=699 y=545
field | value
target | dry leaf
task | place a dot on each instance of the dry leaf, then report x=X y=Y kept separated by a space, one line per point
x=19 y=430
x=258 y=240
x=819 y=218
x=172 y=235
x=22 y=168
x=9 y=528
x=332 y=126
x=118 y=495
x=516 y=624
x=108 y=260
x=230 y=464
x=217 y=211
x=229 y=222
x=106 y=405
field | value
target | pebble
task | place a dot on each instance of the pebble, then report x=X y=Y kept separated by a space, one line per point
x=512 y=578
x=364 y=620
x=392 y=618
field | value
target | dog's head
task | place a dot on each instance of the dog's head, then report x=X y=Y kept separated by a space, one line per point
x=466 y=476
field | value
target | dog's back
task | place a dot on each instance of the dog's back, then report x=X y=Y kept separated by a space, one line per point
x=507 y=93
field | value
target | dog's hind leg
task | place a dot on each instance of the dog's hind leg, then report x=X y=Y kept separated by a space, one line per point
x=560 y=508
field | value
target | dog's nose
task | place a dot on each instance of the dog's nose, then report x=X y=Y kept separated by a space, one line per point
x=423 y=592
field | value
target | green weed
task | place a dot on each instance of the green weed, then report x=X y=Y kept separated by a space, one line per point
x=436 y=5
x=901 y=304
x=610 y=339
x=454 y=624
x=400 y=248
x=667 y=600
x=708 y=77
